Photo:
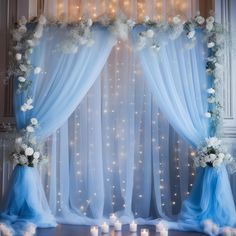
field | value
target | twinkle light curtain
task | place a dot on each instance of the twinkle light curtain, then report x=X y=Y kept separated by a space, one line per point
x=117 y=152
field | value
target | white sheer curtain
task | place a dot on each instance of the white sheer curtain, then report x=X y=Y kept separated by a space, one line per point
x=117 y=153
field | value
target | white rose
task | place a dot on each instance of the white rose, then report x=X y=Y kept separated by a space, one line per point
x=21 y=79
x=176 y=20
x=36 y=155
x=22 y=29
x=207 y=114
x=210 y=20
x=18 y=56
x=212 y=157
x=131 y=23
x=221 y=155
x=209 y=26
x=29 y=151
x=42 y=20
x=211 y=45
x=191 y=34
x=150 y=33
x=211 y=90
x=216 y=162
x=30 y=42
x=30 y=129
x=200 y=20
x=37 y=70
x=34 y=121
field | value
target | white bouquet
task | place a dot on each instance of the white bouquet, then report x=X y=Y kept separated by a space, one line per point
x=212 y=154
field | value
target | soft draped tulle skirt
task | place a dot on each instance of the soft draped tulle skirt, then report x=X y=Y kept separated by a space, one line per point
x=211 y=198
x=25 y=202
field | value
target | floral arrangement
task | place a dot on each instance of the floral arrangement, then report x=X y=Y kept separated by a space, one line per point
x=212 y=154
x=27 y=150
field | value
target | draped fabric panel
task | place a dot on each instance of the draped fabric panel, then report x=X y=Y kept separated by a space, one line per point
x=115 y=152
x=178 y=79
x=65 y=79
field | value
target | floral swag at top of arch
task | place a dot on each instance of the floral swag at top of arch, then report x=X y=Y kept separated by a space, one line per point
x=26 y=36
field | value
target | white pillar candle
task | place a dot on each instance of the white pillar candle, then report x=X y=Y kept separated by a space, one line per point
x=118 y=225
x=164 y=232
x=133 y=227
x=94 y=231
x=113 y=218
x=227 y=231
x=160 y=226
x=144 y=232
x=105 y=228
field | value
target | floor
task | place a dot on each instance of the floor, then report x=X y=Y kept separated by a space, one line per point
x=72 y=230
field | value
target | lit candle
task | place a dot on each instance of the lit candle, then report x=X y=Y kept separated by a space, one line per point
x=113 y=218
x=105 y=228
x=159 y=227
x=164 y=232
x=118 y=226
x=94 y=231
x=133 y=227
x=144 y=232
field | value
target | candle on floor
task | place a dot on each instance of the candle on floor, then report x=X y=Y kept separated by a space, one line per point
x=133 y=227
x=113 y=218
x=105 y=228
x=164 y=232
x=94 y=231
x=144 y=232
x=227 y=231
x=160 y=226
x=118 y=225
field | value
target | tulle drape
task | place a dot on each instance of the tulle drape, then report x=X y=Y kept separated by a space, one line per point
x=178 y=79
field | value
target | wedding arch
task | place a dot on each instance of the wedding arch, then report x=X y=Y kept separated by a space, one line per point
x=181 y=62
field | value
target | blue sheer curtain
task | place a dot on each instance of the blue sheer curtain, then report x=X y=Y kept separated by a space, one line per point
x=177 y=77
x=56 y=92
x=65 y=77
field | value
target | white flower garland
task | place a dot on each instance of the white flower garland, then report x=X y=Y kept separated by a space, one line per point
x=80 y=33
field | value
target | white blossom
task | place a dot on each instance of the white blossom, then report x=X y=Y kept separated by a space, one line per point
x=150 y=33
x=36 y=155
x=200 y=20
x=146 y=18
x=191 y=34
x=210 y=20
x=18 y=56
x=21 y=79
x=37 y=70
x=30 y=129
x=211 y=90
x=29 y=151
x=34 y=121
x=27 y=105
x=22 y=29
x=211 y=45
x=176 y=20
x=209 y=26
x=207 y=114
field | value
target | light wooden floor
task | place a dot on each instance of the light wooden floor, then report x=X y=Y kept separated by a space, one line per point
x=72 y=230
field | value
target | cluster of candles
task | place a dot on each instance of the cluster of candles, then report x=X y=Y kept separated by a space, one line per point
x=132 y=228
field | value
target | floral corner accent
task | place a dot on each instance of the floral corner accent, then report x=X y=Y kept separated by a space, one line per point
x=27 y=151
x=212 y=154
